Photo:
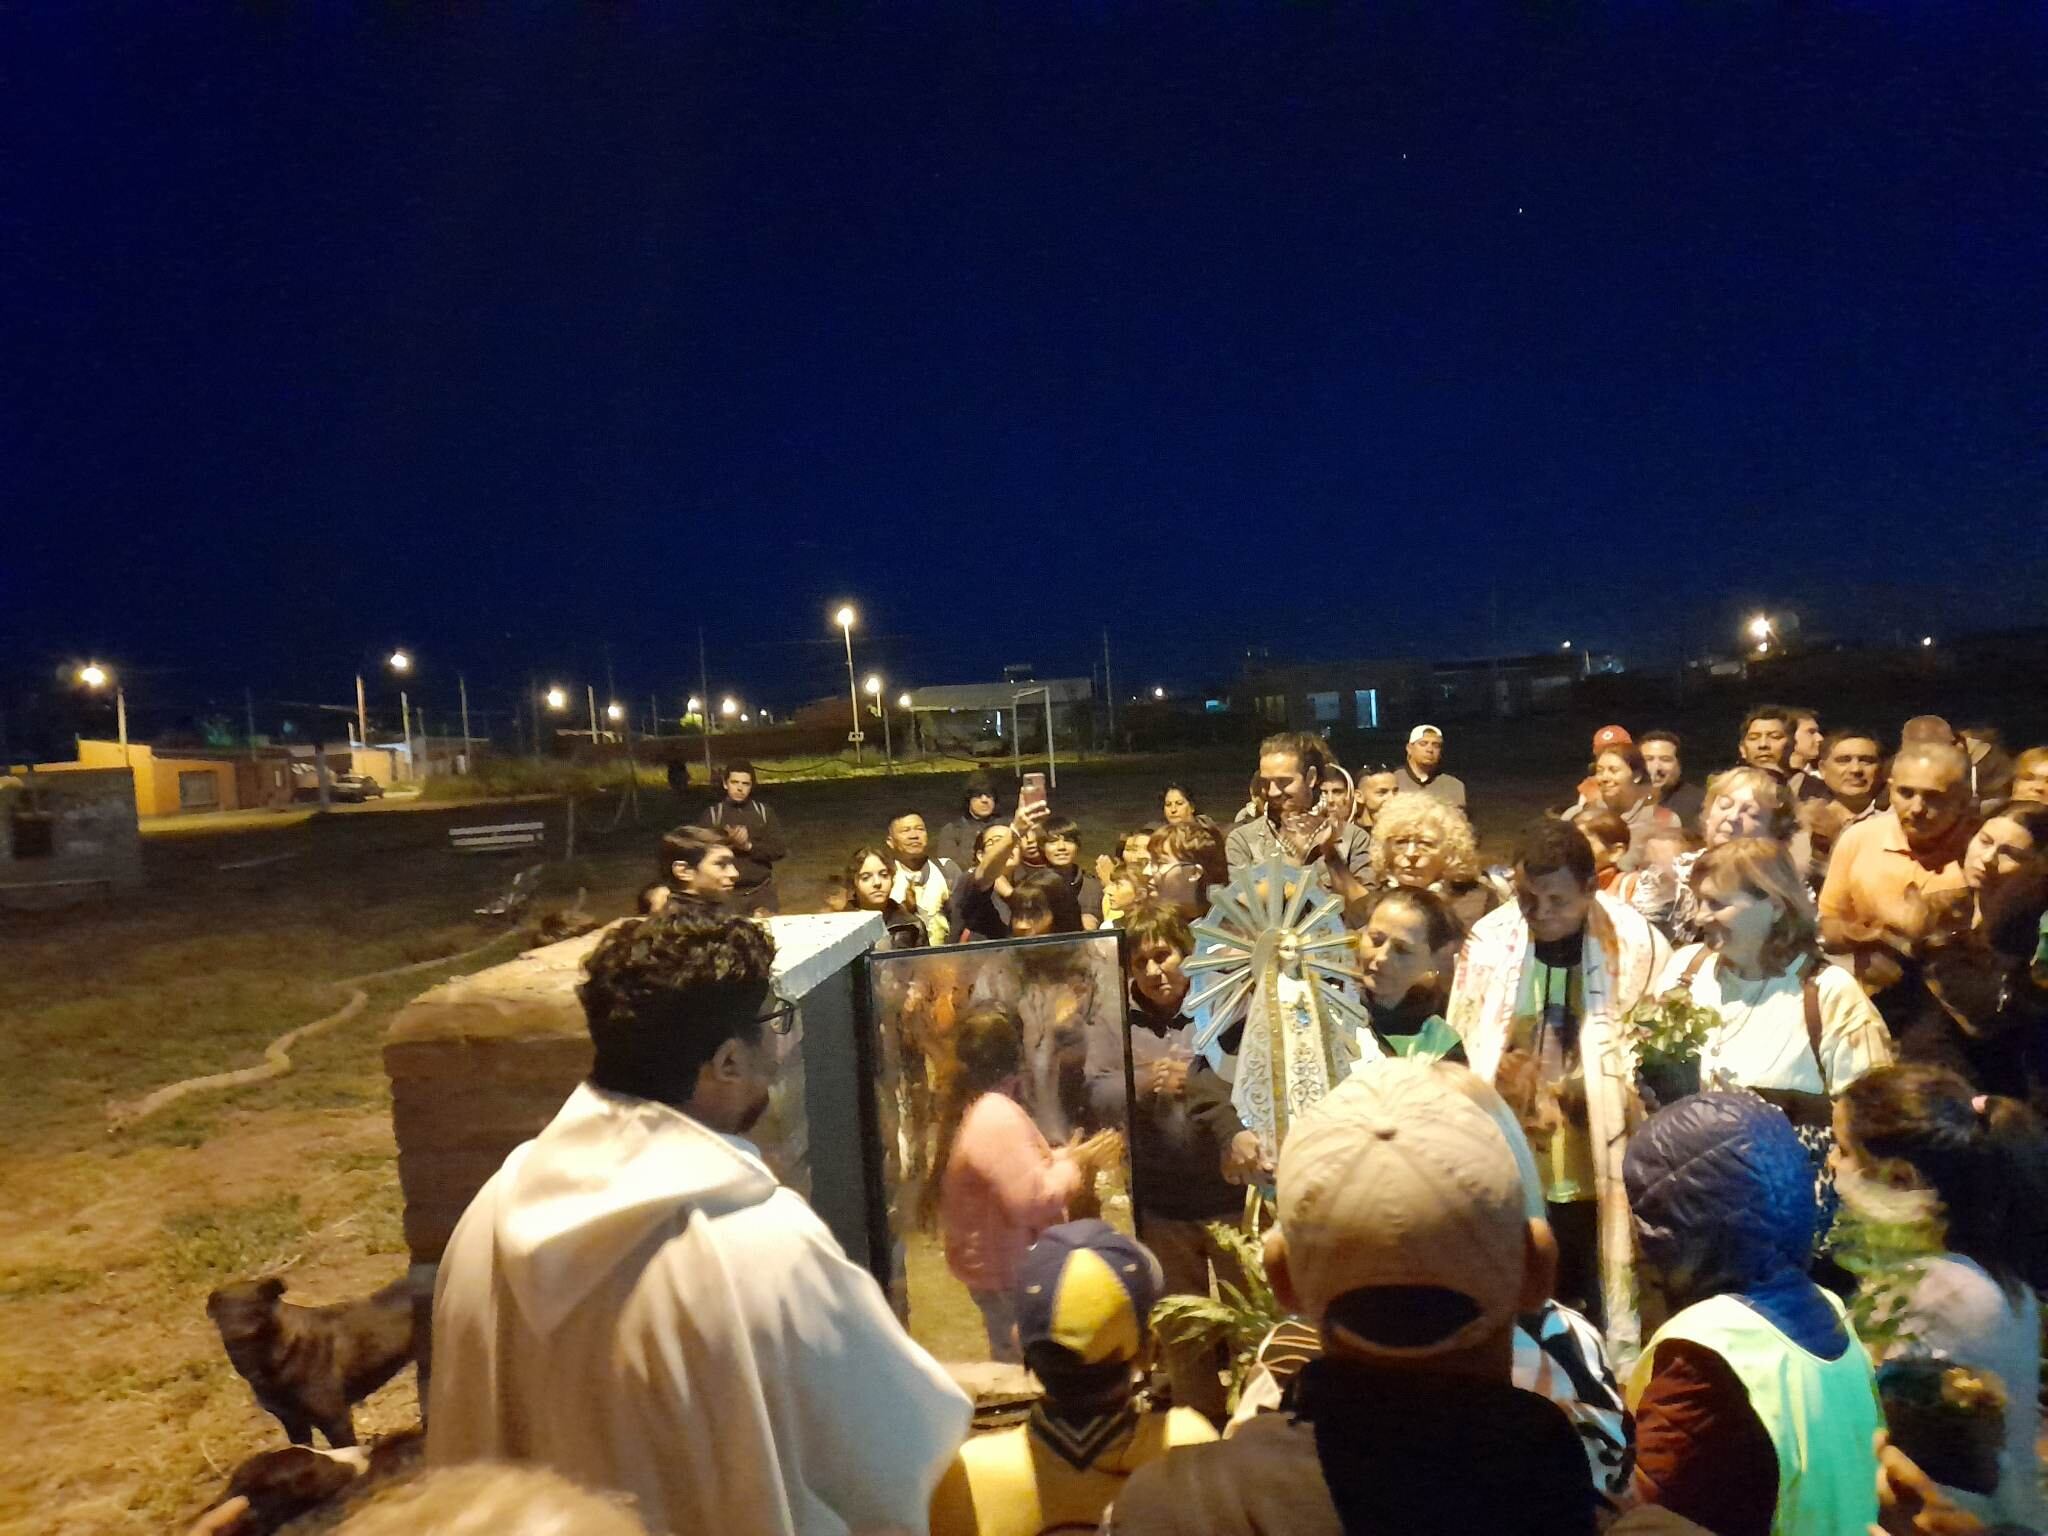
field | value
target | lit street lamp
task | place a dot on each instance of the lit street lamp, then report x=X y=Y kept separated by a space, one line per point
x=729 y=708
x=95 y=677
x=844 y=618
x=399 y=661
x=874 y=691
x=1158 y=693
x=615 y=711
x=557 y=699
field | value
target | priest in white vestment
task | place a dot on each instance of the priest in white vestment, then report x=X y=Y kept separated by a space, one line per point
x=636 y=1302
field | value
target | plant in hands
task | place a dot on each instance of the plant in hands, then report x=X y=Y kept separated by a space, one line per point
x=1667 y=1034
x=1238 y=1320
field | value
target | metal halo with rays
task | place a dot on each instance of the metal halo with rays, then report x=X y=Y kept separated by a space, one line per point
x=1248 y=918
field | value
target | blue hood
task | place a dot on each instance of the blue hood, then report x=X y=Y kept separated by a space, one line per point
x=1723 y=1197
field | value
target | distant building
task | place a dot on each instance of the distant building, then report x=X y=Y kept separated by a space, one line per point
x=984 y=719
x=1391 y=694
x=1354 y=695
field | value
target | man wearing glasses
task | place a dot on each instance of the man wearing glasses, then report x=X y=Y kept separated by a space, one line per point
x=636 y=1302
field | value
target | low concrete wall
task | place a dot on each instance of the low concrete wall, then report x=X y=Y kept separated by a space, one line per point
x=65 y=836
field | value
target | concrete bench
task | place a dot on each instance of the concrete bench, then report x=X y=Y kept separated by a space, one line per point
x=513 y=834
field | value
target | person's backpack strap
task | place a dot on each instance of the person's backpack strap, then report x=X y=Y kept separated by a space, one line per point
x=1809 y=989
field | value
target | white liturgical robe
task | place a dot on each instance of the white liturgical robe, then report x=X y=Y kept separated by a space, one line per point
x=635 y=1301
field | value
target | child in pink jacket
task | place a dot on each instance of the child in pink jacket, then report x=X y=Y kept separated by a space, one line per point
x=998 y=1182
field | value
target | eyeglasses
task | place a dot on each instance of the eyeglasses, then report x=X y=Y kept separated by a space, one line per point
x=1414 y=844
x=779 y=1020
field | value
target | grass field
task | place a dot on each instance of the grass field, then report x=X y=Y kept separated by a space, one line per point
x=118 y=1408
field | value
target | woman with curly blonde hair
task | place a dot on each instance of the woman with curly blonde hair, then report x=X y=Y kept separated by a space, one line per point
x=1423 y=844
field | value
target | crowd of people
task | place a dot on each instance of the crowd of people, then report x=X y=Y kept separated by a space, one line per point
x=1527 y=1291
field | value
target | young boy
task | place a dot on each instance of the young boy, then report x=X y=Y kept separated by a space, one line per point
x=1085 y=1294
x=1119 y=895
x=1059 y=841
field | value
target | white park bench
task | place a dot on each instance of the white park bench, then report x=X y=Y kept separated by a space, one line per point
x=512 y=834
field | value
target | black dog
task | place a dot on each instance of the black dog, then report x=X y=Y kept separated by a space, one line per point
x=307 y=1364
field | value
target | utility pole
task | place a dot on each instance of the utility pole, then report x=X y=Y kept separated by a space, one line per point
x=590 y=694
x=654 y=716
x=704 y=720
x=362 y=712
x=462 y=683
x=1108 y=688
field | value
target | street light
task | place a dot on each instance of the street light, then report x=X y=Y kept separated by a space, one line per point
x=729 y=708
x=94 y=676
x=557 y=699
x=1158 y=693
x=844 y=619
x=1566 y=646
x=874 y=691
x=399 y=661
x=694 y=705
x=1760 y=627
x=1926 y=641
x=615 y=711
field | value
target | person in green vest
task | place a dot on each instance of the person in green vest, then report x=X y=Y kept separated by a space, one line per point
x=1756 y=1405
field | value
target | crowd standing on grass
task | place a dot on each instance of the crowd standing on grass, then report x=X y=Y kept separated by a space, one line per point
x=1530 y=1283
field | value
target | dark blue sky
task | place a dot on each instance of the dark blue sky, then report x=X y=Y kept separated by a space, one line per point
x=504 y=335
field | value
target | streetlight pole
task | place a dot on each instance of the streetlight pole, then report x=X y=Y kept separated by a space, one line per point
x=362 y=712
x=876 y=692
x=462 y=684
x=96 y=677
x=845 y=617
x=590 y=694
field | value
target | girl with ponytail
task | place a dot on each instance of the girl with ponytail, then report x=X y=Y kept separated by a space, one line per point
x=1915 y=1140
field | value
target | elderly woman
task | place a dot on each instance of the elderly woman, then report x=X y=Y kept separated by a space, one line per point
x=1793 y=1028
x=1423 y=844
x=1743 y=802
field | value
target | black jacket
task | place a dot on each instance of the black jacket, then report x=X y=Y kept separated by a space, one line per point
x=1375 y=1453
x=765 y=844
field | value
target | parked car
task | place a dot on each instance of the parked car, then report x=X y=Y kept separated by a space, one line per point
x=354 y=787
x=340 y=786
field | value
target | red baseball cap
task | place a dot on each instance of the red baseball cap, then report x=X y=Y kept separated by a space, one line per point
x=1611 y=736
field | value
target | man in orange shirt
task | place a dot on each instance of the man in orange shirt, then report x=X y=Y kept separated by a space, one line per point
x=1875 y=902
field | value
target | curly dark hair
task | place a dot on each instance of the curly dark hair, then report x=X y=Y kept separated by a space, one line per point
x=662 y=993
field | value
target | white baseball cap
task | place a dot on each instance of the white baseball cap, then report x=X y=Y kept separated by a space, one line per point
x=1424 y=730
x=1400 y=1178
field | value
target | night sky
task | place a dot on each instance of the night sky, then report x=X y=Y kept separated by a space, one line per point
x=1340 y=330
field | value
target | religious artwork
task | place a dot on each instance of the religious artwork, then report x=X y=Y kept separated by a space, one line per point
x=1000 y=1080
x=1272 y=1014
